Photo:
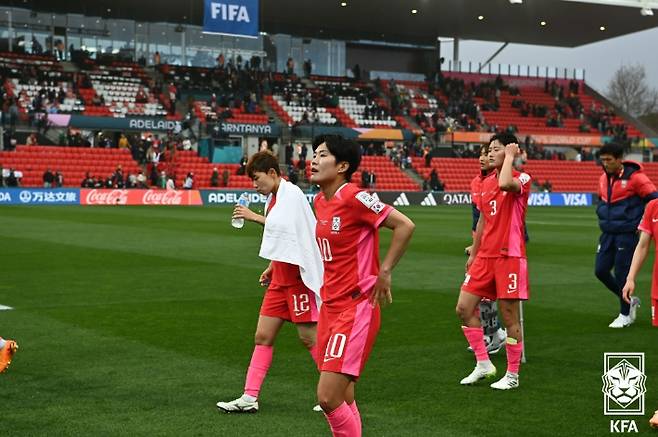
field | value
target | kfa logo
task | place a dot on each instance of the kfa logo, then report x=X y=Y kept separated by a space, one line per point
x=229 y=12
x=623 y=388
x=335 y=224
x=623 y=384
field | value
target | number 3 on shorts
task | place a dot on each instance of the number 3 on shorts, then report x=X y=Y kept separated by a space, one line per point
x=513 y=282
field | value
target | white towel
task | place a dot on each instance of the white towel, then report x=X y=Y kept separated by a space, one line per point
x=289 y=235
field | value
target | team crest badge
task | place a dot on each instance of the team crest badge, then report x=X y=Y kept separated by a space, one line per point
x=335 y=224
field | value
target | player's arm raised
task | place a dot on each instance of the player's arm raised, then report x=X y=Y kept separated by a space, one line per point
x=506 y=180
x=640 y=254
x=403 y=229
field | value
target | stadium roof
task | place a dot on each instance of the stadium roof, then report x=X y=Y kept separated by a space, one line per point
x=567 y=23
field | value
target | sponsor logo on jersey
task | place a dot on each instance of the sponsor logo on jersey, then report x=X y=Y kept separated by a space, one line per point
x=365 y=198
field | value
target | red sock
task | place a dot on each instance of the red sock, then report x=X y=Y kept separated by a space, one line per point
x=475 y=337
x=342 y=422
x=514 y=352
x=260 y=364
x=357 y=416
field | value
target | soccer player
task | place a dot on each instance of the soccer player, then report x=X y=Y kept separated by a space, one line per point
x=7 y=350
x=648 y=231
x=495 y=335
x=293 y=277
x=623 y=191
x=497 y=267
x=355 y=284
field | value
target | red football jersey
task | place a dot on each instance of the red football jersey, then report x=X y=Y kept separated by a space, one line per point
x=347 y=234
x=649 y=224
x=283 y=273
x=504 y=213
x=476 y=188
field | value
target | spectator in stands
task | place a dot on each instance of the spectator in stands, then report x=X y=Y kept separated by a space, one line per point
x=427 y=156
x=12 y=180
x=162 y=180
x=170 y=184
x=31 y=140
x=292 y=174
x=188 y=184
x=118 y=180
x=141 y=180
x=214 y=178
x=13 y=114
x=372 y=180
x=356 y=70
x=435 y=182
x=225 y=177
x=2 y=176
x=365 y=178
x=289 y=152
x=157 y=59
x=290 y=67
x=243 y=165
x=48 y=179
x=308 y=68
x=59 y=179
x=547 y=187
x=37 y=48
x=88 y=181
x=123 y=142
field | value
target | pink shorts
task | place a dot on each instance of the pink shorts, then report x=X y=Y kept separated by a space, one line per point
x=346 y=338
x=498 y=278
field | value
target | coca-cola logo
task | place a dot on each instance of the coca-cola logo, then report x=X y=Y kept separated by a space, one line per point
x=107 y=197
x=168 y=197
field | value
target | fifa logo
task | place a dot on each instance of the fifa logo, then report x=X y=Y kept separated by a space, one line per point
x=623 y=384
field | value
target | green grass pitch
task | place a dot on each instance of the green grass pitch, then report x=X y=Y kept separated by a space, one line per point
x=137 y=320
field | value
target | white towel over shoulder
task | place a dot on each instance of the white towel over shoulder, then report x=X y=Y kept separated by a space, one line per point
x=289 y=235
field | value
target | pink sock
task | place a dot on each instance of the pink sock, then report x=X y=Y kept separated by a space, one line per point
x=514 y=352
x=357 y=416
x=260 y=364
x=342 y=422
x=314 y=353
x=475 y=337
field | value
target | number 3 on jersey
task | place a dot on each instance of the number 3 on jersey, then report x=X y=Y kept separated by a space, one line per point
x=492 y=204
x=325 y=249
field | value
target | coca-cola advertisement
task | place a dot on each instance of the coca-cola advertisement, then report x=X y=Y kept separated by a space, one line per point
x=140 y=197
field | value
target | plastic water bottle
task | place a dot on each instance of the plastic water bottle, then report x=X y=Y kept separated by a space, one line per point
x=242 y=201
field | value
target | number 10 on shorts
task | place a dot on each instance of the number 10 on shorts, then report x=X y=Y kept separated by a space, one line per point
x=335 y=347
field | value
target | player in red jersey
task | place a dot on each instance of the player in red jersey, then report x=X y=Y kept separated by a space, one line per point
x=494 y=334
x=289 y=296
x=648 y=230
x=355 y=284
x=497 y=267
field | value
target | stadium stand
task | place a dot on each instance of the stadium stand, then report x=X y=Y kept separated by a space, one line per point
x=186 y=161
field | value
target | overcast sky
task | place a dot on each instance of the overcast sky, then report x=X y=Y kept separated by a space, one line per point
x=600 y=60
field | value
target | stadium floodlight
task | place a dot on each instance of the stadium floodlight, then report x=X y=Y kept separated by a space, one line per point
x=646 y=12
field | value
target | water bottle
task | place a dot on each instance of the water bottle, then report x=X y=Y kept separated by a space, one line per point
x=238 y=223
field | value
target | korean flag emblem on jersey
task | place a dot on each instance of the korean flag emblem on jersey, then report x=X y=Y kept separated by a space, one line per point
x=335 y=224
x=524 y=178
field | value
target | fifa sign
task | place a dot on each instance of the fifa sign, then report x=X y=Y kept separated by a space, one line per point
x=231 y=17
